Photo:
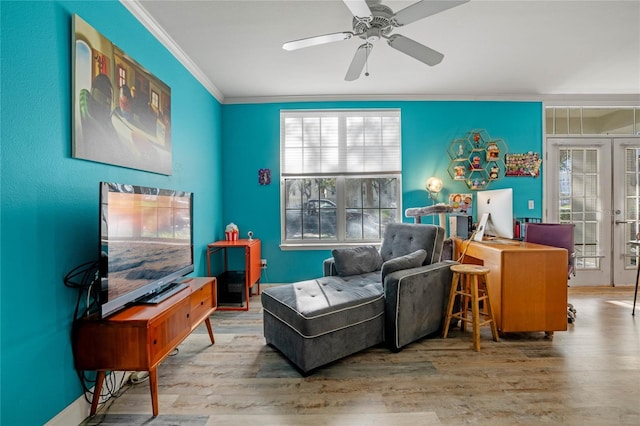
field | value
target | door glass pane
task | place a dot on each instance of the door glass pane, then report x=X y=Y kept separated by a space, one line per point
x=578 y=202
x=631 y=199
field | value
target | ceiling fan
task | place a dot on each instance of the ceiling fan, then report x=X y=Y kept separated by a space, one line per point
x=371 y=21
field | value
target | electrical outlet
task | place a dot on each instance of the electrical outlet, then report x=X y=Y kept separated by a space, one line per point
x=263 y=263
x=530 y=204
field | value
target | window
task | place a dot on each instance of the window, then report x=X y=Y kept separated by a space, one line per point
x=122 y=76
x=155 y=100
x=340 y=175
x=592 y=120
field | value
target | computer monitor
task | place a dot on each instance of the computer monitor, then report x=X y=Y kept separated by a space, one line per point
x=495 y=213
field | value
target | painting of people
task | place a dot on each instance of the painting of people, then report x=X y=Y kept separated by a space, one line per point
x=122 y=112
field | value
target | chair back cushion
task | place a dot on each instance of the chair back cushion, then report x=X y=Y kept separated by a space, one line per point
x=405 y=238
x=356 y=260
x=554 y=235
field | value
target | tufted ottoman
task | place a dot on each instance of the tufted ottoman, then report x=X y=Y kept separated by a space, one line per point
x=318 y=321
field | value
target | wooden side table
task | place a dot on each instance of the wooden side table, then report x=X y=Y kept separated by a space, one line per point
x=252 y=269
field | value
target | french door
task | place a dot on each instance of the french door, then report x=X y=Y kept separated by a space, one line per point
x=593 y=183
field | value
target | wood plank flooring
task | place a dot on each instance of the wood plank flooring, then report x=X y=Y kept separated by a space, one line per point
x=588 y=375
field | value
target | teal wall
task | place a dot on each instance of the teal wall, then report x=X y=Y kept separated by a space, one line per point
x=251 y=141
x=49 y=209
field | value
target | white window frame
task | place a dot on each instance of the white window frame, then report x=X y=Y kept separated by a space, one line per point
x=374 y=165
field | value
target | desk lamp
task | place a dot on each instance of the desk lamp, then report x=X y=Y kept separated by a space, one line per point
x=434 y=186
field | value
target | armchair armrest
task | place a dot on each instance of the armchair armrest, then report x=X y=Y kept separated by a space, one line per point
x=329 y=267
x=415 y=302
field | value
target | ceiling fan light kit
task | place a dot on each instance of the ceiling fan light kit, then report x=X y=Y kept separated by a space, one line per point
x=373 y=21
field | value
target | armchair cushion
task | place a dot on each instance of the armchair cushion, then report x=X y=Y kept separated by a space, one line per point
x=404 y=238
x=411 y=260
x=357 y=260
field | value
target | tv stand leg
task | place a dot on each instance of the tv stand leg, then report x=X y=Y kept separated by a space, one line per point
x=153 y=385
x=207 y=322
x=96 y=392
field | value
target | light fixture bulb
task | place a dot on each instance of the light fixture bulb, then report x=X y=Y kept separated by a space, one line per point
x=434 y=185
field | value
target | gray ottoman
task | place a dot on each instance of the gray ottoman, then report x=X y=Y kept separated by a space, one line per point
x=318 y=321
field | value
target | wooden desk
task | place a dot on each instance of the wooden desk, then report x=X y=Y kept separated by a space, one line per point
x=138 y=338
x=527 y=282
x=252 y=268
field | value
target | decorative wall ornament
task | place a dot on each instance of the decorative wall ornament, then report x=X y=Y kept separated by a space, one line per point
x=264 y=176
x=523 y=165
x=477 y=159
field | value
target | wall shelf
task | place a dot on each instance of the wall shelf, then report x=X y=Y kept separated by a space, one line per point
x=476 y=159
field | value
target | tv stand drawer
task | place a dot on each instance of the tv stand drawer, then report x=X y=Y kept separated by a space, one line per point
x=167 y=332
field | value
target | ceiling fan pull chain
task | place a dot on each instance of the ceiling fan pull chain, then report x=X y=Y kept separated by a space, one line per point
x=366 y=62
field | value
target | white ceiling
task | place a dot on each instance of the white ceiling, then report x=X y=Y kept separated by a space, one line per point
x=517 y=49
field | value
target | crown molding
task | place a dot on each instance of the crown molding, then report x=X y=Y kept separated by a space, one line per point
x=547 y=99
x=141 y=14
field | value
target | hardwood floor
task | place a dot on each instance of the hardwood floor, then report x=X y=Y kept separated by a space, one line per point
x=588 y=375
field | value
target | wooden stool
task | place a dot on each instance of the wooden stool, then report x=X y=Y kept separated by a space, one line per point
x=473 y=287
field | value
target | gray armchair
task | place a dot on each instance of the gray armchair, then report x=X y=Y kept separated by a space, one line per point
x=397 y=295
x=415 y=296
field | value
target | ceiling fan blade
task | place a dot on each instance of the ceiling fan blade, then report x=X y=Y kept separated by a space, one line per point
x=358 y=62
x=358 y=8
x=415 y=50
x=422 y=9
x=314 y=41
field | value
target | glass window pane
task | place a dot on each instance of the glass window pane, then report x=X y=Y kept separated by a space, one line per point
x=548 y=121
x=562 y=127
x=575 y=124
x=371 y=193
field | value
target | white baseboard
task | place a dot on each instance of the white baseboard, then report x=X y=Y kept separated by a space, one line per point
x=79 y=410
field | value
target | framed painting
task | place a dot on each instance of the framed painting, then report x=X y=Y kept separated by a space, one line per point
x=121 y=112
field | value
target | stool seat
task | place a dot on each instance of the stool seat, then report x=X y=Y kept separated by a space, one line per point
x=469 y=282
x=465 y=268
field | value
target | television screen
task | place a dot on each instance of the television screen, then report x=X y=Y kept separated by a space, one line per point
x=146 y=242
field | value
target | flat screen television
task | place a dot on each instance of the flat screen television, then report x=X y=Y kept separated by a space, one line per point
x=498 y=205
x=146 y=243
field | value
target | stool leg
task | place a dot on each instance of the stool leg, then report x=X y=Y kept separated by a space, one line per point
x=452 y=298
x=494 y=327
x=464 y=301
x=475 y=312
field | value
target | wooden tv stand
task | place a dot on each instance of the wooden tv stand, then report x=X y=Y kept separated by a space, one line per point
x=140 y=337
